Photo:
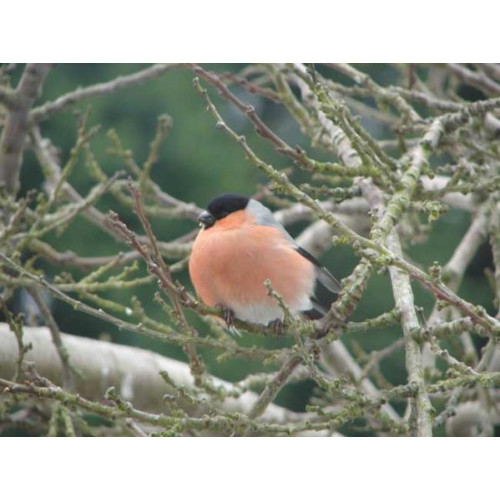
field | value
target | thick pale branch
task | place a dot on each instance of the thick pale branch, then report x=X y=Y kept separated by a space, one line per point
x=134 y=372
x=403 y=297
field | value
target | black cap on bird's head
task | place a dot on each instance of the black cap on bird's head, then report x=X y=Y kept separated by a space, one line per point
x=222 y=206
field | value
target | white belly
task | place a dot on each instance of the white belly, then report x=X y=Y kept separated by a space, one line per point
x=263 y=313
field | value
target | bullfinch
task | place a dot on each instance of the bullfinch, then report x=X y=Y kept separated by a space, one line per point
x=240 y=246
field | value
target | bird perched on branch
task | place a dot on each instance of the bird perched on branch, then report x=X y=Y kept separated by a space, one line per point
x=241 y=246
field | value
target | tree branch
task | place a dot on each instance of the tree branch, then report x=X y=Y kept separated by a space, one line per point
x=17 y=123
x=403 y=297
x=134 y=372
x=121 y=82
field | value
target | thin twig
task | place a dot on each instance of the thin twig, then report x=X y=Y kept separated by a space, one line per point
x=49 y=109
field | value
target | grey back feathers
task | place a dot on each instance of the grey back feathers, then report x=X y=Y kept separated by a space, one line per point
x=264 y=217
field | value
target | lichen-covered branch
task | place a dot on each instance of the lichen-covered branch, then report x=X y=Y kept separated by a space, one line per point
x=403 y=297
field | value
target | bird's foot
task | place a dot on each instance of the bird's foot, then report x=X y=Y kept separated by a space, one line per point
x=228 y=315
x=277 y=326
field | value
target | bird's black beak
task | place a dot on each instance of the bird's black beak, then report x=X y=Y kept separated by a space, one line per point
x=207 y=219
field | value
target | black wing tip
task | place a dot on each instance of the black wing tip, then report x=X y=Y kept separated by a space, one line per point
x=308 y=256
x=327 y=279
x=323 y=275
x=317 y=311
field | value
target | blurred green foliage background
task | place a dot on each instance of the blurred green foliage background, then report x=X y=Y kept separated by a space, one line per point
x=198 y=163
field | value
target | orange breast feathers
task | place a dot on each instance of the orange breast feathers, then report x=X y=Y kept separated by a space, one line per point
x=231 y=260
